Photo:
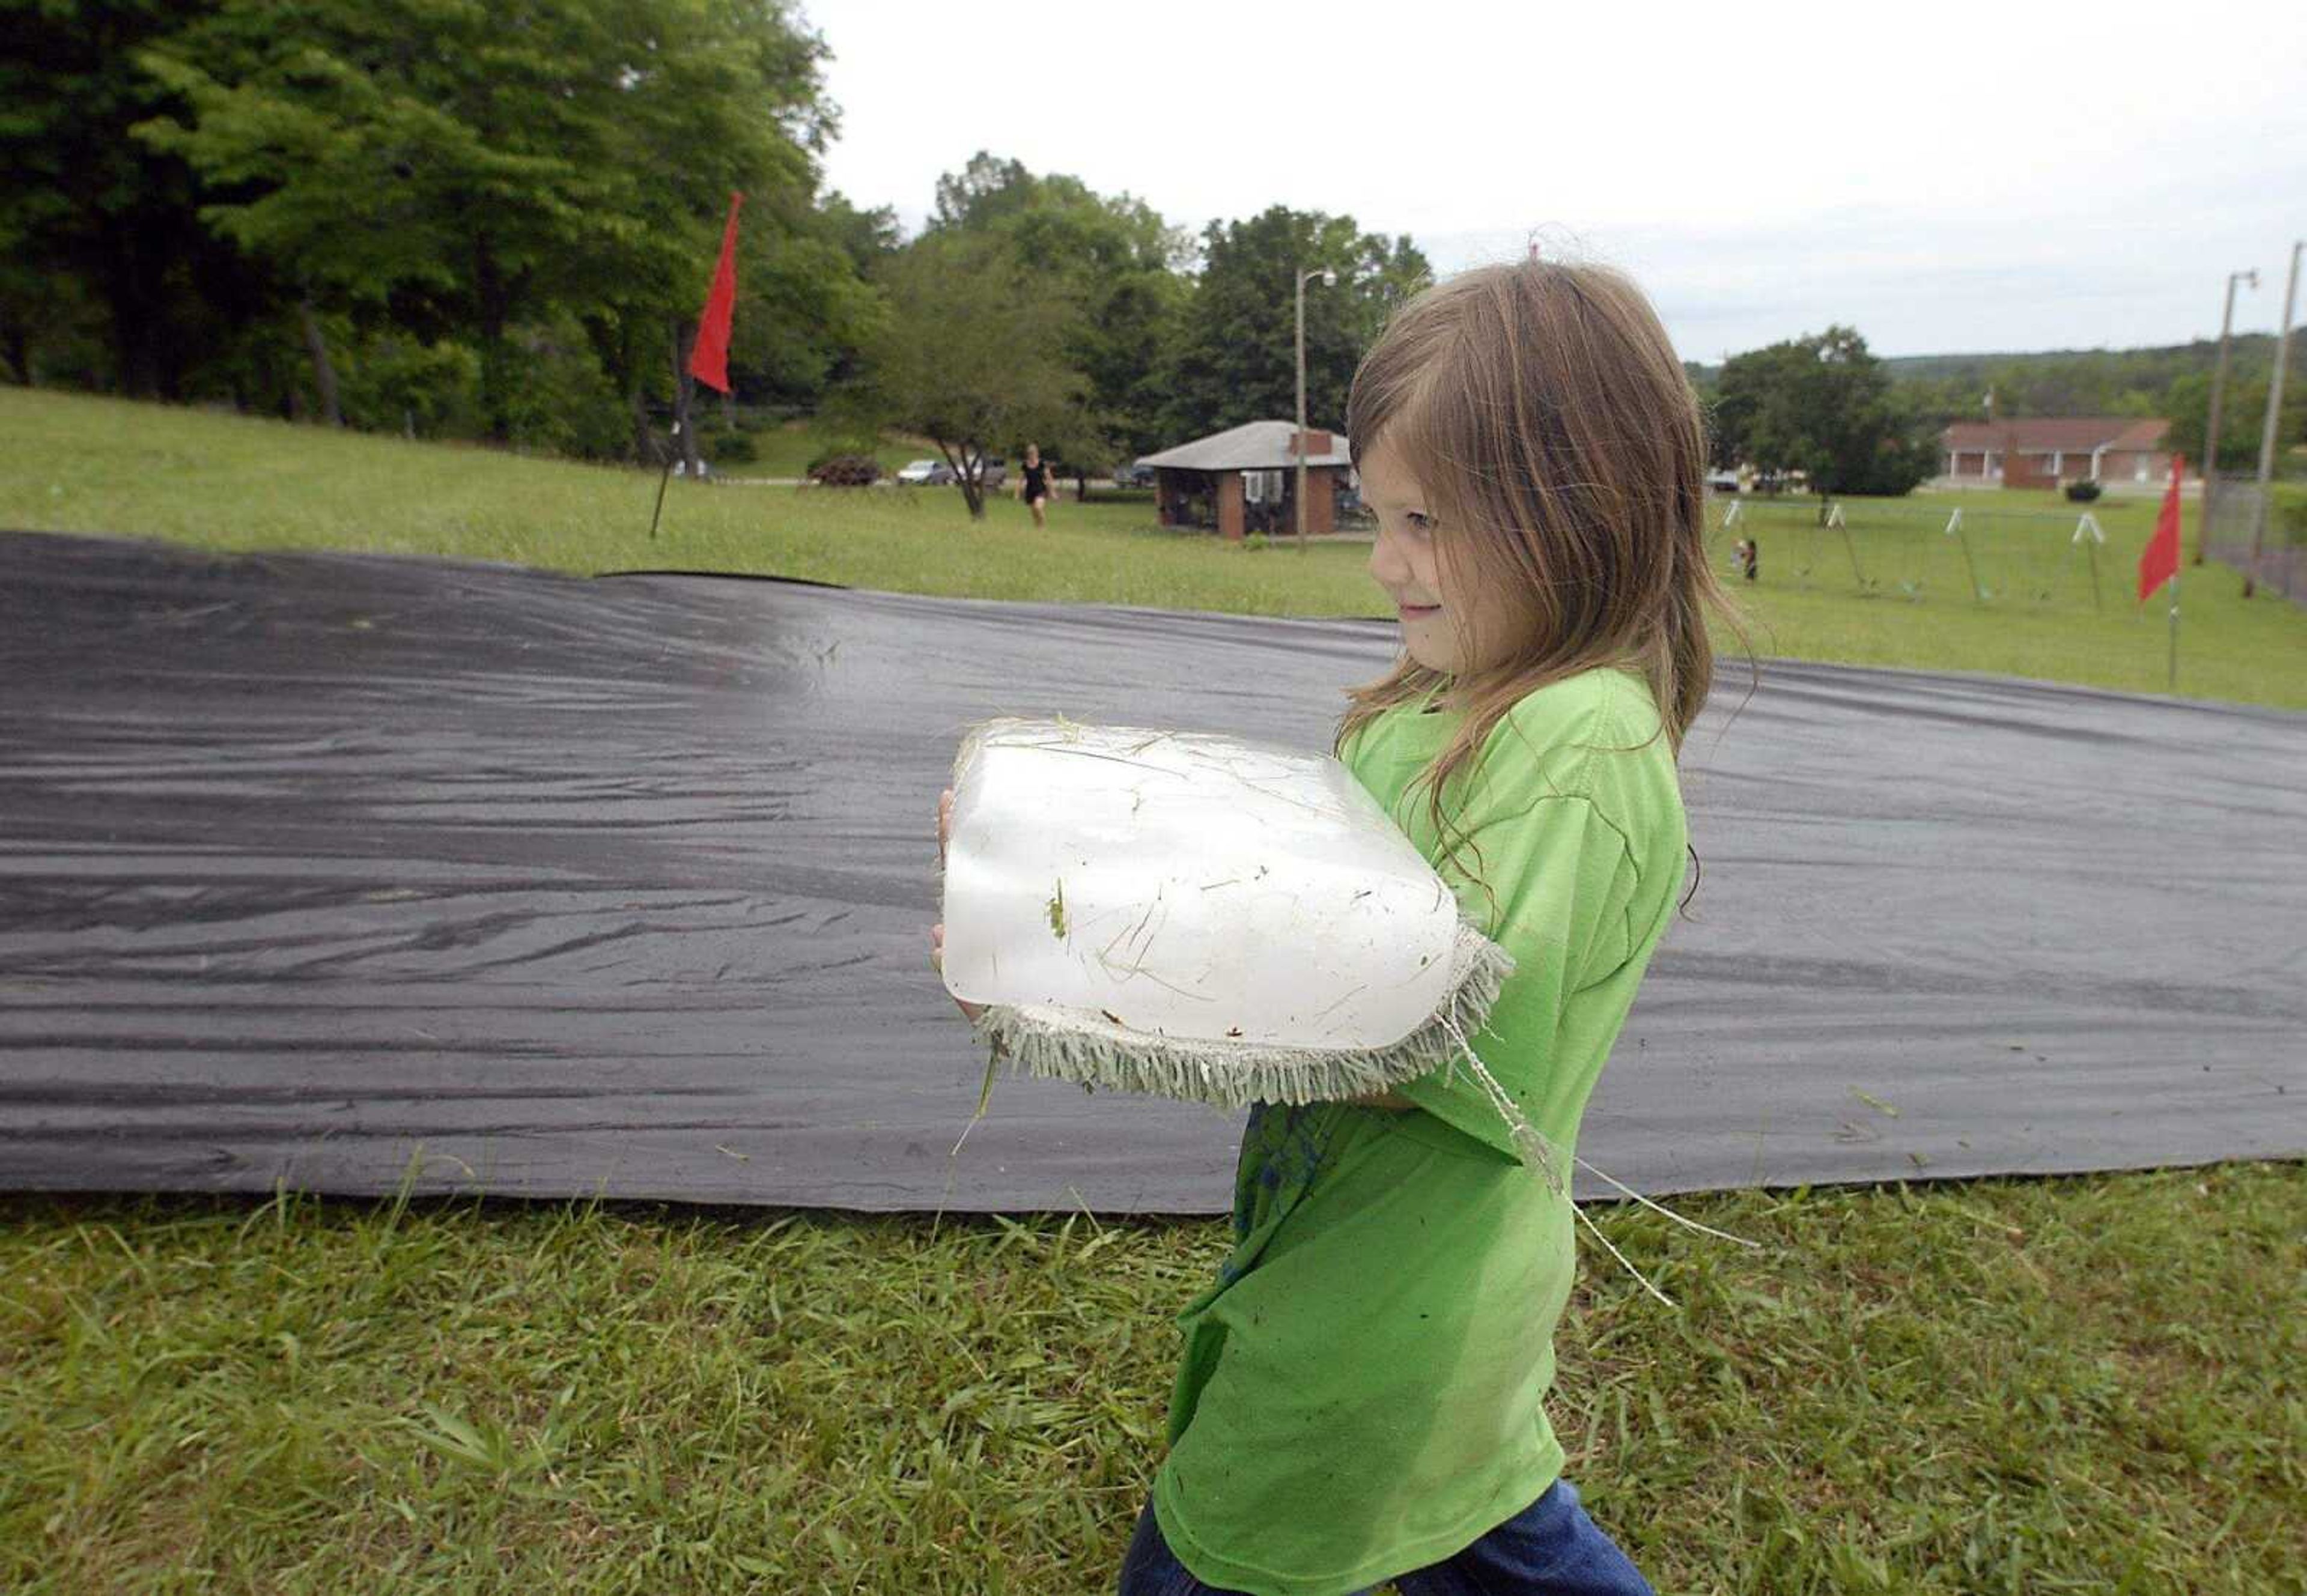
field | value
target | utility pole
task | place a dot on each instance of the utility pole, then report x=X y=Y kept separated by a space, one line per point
x=1329 y=281
x=2211 y=434
x=2273 y=414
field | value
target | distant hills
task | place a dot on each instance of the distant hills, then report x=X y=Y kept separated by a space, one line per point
x=2073 y=381
x=2243 y=350
x=2246 y=350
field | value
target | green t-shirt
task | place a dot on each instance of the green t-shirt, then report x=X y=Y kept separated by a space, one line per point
x=1361 y=1393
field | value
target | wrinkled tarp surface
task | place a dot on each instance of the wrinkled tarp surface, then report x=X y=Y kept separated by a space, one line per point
x=324 y=870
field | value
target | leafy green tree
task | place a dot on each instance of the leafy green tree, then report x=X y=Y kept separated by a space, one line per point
x=2242 y=415
x=971 y=354
x=1235 y=358
x=397 y=382
x=575 y=154
x=1116 y=259
x=804 y=309
x=710 y=98
x=90 y=220
x=982 y=194
x=1822 y=406
x=868 y=237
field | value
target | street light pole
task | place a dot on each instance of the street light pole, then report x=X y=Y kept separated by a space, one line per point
x=2211 y=434
x=1297 y=500
x=2273 y=414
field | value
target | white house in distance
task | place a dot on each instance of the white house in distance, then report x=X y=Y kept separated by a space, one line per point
x=2051 y=450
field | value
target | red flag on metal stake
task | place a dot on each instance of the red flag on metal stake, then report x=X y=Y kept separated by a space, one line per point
x=2159 y=562
x=708 y=356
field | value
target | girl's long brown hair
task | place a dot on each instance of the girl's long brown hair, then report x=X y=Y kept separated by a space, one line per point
x=1558 y=444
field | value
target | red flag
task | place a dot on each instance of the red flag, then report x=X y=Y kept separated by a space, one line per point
x=708 y=356
x=2160 y=560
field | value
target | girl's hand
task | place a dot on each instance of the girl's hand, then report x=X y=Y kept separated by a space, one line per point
x=969 y=1011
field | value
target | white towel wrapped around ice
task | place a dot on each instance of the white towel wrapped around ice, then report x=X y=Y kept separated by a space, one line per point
x=1200 y=917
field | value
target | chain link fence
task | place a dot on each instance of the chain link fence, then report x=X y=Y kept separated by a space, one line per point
x=2235 y=530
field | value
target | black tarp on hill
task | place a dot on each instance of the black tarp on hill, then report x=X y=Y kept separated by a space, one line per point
x=321 y=869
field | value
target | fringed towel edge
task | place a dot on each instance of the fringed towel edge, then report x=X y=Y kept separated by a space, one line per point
x=1088 y=1050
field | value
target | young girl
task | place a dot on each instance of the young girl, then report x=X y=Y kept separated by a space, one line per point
x=1361 y=1397
x=1033 y=485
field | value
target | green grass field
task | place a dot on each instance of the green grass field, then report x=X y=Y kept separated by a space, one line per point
x=86 y=465
x=2008 y=1388
x=2005 y=1387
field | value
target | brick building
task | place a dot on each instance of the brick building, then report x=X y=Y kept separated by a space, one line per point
x=2051 y=450
x=1245 y=479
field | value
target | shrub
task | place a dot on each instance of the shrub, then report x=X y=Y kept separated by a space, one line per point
x=846 y=470
x=834 y=446
x=2082 y=493
x=392 y=383
x=732 y=448
x=561 y=402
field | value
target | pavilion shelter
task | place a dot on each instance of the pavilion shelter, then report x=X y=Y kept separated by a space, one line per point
x=1244 y=480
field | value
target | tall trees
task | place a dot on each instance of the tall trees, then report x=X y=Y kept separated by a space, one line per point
x=2068 y=383
x=1114 y=258
x=502 y=162
x=1234 y=360
x=2242 y=415
x=1036 y=307
x=1821 y=405
x=89 y=216
x=972 y=353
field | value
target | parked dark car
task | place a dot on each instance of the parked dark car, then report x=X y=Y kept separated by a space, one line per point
x=1133 y=476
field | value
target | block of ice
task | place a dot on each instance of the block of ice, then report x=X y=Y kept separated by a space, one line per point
x=1198 y=915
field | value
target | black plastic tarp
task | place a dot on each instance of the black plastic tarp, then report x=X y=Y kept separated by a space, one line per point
x=329 y=870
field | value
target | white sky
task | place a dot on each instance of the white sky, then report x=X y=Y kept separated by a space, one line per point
x=1947 y=177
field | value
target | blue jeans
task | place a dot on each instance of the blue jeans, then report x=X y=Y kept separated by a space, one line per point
x=1549 y=1549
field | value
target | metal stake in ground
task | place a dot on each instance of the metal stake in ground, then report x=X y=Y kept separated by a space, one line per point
x=2267 y=432
x=2219 y=391
x=2088 y=527
x=661 y=481
x=1954 y=524
x=2175 y=631
x=1835 y=518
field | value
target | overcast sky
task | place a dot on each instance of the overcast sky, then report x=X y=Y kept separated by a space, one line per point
x=1946 y=177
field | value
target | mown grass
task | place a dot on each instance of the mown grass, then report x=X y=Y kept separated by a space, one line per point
x=2087 y=1385
x=2012 y=1387
x=77 y=464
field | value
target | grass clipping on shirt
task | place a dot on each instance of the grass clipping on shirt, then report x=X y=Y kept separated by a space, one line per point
x=1208 y=919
